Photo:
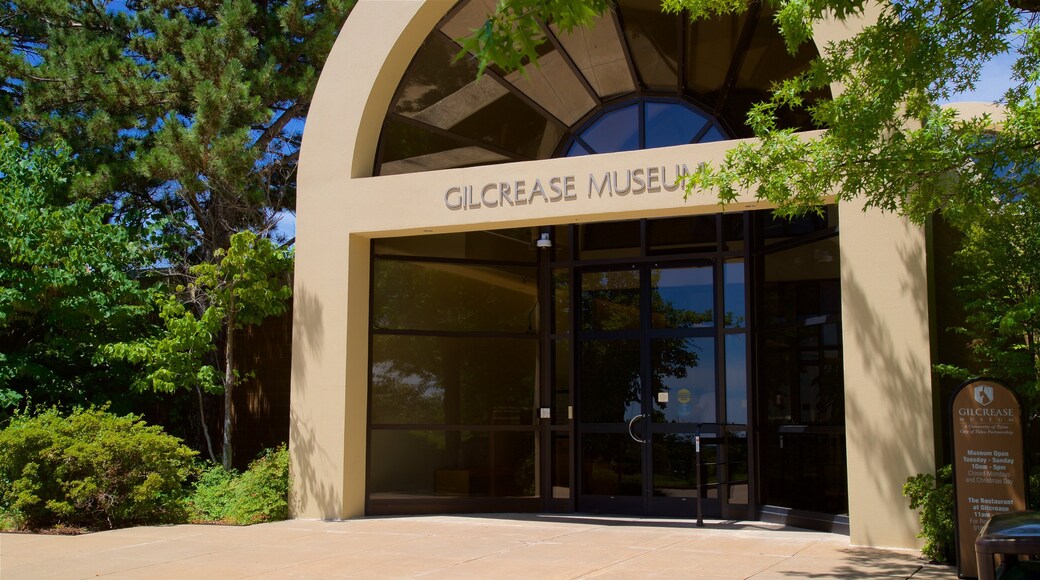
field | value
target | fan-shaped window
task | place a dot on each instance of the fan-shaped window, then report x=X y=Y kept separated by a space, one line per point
x=644 y=124
x=635 y=79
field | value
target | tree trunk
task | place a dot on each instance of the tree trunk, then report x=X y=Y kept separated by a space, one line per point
x=205 y=428
x=229 y=380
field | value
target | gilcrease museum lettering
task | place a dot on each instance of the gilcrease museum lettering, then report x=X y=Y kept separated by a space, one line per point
x=557 y=189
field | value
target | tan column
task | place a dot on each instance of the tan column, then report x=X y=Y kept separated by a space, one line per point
x=888 y=385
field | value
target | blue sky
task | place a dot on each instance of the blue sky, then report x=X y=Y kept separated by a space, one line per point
x=996 y=78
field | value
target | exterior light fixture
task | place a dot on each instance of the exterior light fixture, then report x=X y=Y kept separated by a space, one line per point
x=544 y=241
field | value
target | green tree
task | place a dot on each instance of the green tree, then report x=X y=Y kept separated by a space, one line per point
x=999 y=263
x=184 y=113
x=247 y=283
x=185 y=109
x=67 y=283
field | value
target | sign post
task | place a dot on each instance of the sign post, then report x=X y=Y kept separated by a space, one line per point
x=989 y=474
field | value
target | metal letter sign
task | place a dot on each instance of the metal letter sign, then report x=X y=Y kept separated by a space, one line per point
x=989 y=474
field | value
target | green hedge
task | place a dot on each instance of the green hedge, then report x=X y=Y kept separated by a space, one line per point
x=260 y=494
x=92 y=470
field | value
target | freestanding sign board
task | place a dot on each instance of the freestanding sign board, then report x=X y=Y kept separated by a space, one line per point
x=989 y=475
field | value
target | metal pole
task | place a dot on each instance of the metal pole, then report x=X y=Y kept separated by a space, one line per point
x=697 y=454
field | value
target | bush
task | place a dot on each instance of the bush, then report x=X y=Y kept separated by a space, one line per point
x=261 y=494
x=933 y=495
x=91 y=469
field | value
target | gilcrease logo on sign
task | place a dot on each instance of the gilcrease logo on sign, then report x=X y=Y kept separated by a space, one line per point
x=984 y=395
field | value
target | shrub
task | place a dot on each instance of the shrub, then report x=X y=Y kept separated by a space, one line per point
x=260 y=494
x=933 y=495
x=91 y=469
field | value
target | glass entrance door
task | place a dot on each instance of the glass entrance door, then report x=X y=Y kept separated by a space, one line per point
x=647 y=385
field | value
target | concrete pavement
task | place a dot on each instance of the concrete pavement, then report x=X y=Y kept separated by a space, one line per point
x=501 y=546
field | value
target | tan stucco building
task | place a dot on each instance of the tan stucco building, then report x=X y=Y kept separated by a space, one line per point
x=503 y=303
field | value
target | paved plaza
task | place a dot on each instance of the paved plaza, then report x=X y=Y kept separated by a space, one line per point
x=497 y=546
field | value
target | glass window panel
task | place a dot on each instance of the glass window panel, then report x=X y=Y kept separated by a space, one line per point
x=615 y=131
x=561 y=465
x=681 y=235
x=610 y=300
x=653 y=40
x=733 y=232
x=767 y=59
x=611 y=390
x=553 y=85
x=456 y=297
x=684 y=372
x=409 y=149
x=561 y=301
x=777 y=371
x=562 y=244
x=713 y=134
x=675 y=467
x=440 y=90
x=511 y=124
x=736 y=379
x=805 y=471
x=611 y=464
x=609 y=240
x=734 y=299
x=453 y=381
x=576 y=149
x=598 y=53
x=468 y=17
x=711 y=43
x=510 y=245
x=670 y=124
x=561 y=387
x=802 y=284
x=682 y=297
x=439 y=464
x=776 y=229
x=737 y=463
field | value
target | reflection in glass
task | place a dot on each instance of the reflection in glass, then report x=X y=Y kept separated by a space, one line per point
x=577 y=149
x=711 y=43
x=609 y=240
x=553 y=85
x=653 y=41
x=737 y=466
x=610 y=300
x=561 y=387
x=681 y=235
x=675 y=473
x=512 y=245
x=409 y=149
x=670 y=124
x=445 y=296
x=802 y=284
x=453 y=380
x=733 y=300
x=616 y=131
x=434 y=464
x=611 y=391
x=682 y=297
x=561 y=465
x=683 y=380
x=561 y=301
x=599 y=55
x=736 y=379
x=611 y=464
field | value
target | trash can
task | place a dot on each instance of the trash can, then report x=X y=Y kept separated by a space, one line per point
x=1010 y=535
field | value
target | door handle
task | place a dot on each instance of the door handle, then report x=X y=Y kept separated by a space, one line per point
x=631 y=433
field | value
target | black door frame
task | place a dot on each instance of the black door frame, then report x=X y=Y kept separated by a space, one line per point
x=566 y=258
